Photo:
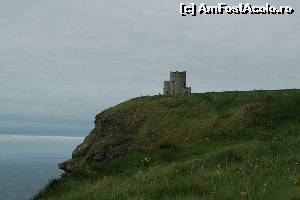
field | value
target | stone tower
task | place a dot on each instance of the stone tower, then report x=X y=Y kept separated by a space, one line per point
x=177 y=84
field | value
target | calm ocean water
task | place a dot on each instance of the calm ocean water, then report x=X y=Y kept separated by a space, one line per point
x=27 y=163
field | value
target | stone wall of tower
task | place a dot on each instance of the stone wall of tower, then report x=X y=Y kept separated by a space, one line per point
x=166 y=87
x=177 y=82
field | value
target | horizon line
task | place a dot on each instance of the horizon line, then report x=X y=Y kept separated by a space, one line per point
x=15 y=137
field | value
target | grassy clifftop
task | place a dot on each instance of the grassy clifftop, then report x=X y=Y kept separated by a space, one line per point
x=229 y=145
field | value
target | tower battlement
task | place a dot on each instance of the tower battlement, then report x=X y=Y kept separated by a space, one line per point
x=177 y=84
x=177 y=73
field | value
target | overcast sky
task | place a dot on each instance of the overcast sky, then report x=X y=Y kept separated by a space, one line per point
x=63 y=61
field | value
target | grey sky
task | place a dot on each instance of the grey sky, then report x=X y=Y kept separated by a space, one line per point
x=63 y=61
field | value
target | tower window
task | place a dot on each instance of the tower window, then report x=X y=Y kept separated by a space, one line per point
x=173 y=82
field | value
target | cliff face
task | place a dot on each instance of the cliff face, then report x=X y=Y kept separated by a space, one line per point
x=113 y=136
x=148 y=122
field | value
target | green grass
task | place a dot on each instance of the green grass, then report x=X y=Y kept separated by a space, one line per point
x=230 y=145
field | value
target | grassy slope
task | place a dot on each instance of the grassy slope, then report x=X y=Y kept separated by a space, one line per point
x=230 y=145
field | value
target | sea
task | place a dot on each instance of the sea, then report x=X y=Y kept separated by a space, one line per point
x=28 y=163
